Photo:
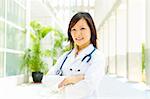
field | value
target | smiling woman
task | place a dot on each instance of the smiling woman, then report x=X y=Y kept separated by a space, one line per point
x=81 y=34
x=83 y=66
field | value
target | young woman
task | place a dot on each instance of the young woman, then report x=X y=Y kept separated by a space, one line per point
x=83 y=66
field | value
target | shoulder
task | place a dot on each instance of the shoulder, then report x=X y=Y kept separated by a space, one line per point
x=98 y=53
x=65 y=54
x=61 y=58
x=98 y=56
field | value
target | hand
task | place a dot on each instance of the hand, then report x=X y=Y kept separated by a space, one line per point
x=71 y=80
x=61 y=88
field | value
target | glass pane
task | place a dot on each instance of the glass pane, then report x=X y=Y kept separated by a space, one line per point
x=15 y=38
x=2 y=38
x=12 y=64
x=1 y=64
x=11 y=11
x=21 y=17
x=2 y=8
x=15 y=13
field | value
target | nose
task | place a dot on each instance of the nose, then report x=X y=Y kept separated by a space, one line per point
x=78 y=33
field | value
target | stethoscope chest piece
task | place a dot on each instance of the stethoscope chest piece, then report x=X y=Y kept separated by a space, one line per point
x=59 y=72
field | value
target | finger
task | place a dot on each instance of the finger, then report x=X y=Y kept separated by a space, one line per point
x=61 y=84
x=62 y=88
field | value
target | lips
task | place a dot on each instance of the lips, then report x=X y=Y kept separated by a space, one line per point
x=79 y=39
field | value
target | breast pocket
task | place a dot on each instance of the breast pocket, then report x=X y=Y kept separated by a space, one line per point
x=80 y=68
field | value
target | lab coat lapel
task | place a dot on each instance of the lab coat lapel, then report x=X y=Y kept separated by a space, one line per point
x=85 y=52
x=71 y=56
x=82 y=54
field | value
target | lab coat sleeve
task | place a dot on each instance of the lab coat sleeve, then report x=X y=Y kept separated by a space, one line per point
x=54 y=68
x=93 y=76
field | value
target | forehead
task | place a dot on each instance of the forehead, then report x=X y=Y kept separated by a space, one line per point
x=81 y=22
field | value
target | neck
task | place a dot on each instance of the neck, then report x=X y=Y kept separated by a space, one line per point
x=79 y=48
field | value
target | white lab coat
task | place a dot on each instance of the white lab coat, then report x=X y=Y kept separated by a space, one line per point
x=94 y=71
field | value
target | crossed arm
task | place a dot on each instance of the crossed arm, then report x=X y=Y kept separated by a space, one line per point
x=71 y=80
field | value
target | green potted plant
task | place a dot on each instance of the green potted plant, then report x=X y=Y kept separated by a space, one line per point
x=32 y=58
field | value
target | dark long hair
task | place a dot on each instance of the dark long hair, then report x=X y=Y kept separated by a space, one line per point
x=90 y=23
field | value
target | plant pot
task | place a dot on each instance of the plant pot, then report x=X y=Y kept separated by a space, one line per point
x=37 y=77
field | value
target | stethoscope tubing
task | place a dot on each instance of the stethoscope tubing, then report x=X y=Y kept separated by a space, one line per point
x=59 y=71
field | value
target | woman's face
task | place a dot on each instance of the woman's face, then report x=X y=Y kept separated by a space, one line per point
x=81 y=33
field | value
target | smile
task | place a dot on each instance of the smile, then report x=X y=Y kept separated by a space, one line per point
x=79 y=39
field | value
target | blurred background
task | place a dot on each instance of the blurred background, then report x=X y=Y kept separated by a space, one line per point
x=123 y=28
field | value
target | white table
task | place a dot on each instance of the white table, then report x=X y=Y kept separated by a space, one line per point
x=44 y=90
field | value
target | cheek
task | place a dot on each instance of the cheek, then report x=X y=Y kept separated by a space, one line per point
x=73 y=36
x=87 y=35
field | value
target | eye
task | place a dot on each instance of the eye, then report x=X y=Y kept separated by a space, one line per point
x=82 y=28
x=73 y=29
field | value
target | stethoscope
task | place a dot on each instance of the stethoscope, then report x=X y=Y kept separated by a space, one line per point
x=89 y=56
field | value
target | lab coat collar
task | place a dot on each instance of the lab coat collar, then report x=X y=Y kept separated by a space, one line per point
x=82 y=53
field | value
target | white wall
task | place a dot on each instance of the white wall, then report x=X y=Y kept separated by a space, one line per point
x=102 y=8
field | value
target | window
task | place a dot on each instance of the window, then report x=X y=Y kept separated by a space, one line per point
x=2 y=8
x=12 y=47
x=2 y=30
x=15 y=13
x=12 y=64
x=1 y=64
x=2 y=39
x=15 y=38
